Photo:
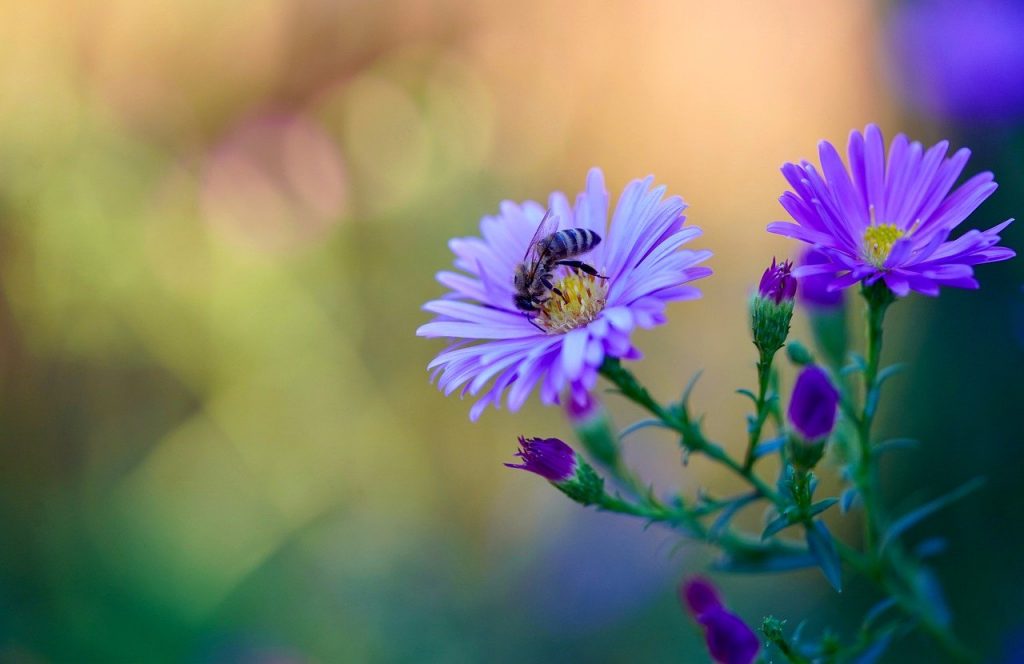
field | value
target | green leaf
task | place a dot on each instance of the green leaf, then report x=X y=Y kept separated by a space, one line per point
x=912 y=518
x=871 y=404
x=820 y=506
x=848 y=498
x=895 y=444
x=774 y=557
x=876 y=611
x=874 y=650
x=823 y=549
x=769 y=446
x=931 y=547
x=930 y=590
x=857 y=365
x=689 y=387
x=889 y=371
x=734 y=506
x=747 y=393
x=777 y=524
x=642 y=424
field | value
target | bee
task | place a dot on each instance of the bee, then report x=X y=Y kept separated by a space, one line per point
x=546 y=251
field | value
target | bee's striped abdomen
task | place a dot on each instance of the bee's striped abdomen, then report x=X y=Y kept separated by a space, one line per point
x=571 y=242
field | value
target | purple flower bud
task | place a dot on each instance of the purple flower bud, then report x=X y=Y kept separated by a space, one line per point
x=812 y=408
x=729 y=639
x=777 y=282
x=548 y=457
x=814 y=291
x=699 y=595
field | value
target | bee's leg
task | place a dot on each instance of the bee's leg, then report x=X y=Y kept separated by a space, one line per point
x=533 y=322
x=551 y=287
x=583 y=267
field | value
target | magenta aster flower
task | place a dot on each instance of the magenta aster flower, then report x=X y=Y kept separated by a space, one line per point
x=561 y=345
x=890 y=220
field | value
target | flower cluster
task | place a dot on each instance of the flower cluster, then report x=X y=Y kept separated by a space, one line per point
x=549 y=297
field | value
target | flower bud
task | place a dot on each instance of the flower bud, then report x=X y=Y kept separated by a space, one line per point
x=556 y=462
x=771 y=308
x=729 y=639
x=593 y=426
x=778 y=283
x=812 y=414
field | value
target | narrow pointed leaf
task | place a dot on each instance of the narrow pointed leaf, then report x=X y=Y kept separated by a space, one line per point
x=642 y=424
x=912 y=518
x=689 y=387
x=769 y=447
x=890 y=371
x=896 y=444
x=823 y=549
x=822 y=505
x=747 y=393
x=775 y=525
x=931 y=547
x=722 y=522
x=848 y=499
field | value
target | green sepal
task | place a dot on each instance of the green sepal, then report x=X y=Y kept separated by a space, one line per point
x=586 y=487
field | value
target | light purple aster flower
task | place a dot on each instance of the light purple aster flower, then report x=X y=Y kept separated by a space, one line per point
x=893 y=219
x=561 y=347
x=729 y=639
x=812 y=408
x=777 y=282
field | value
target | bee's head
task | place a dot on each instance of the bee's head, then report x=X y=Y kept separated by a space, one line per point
x=524 y=303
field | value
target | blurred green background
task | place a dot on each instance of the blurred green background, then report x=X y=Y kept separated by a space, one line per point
x=218 y=221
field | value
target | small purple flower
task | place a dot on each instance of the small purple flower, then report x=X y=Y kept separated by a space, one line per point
x=561 y=347
x=812 y=408
x=729 y=639
x=778 y=282
x=814 y=290
x=889 y=220
x=548 y=457
x=957 y=61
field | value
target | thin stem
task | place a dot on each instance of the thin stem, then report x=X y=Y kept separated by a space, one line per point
x=764 y=375
x=694 y=440
x=878 y=298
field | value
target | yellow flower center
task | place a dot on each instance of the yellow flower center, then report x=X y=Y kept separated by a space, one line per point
x=582 y=299
x=878 y=241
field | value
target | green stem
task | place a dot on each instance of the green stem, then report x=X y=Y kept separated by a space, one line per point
x=764 y=374
x=878 y=298
x=694 y=440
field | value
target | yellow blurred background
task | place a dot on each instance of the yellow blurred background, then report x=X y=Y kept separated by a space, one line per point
x=218 y=221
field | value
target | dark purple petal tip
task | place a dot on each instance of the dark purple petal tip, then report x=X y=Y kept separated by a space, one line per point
x=548 y=457
x=812 y=408
x=778 y=282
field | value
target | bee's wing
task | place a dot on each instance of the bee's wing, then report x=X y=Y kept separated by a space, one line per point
x=548 y=224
